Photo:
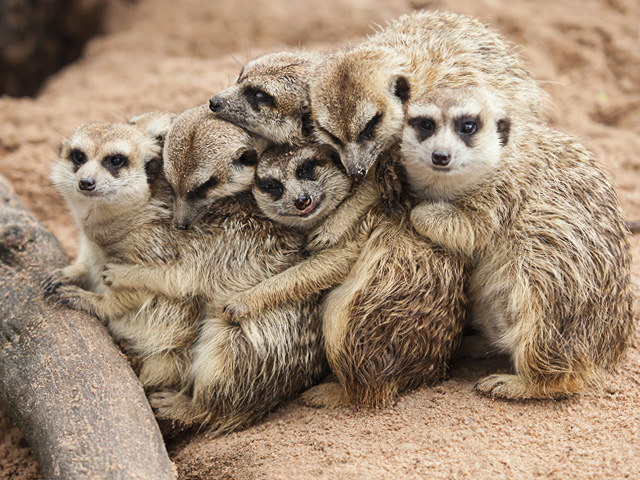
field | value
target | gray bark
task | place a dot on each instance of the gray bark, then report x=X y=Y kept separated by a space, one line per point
x=62 y=379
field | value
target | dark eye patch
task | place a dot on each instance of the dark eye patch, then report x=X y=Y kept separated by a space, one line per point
x=77 y=157
x=258 y=98
x=202 y=191
x=367 y=131
x=423 y=126
x=466 y=127
x=306 y=171
x=114 y=163
x=270 y=186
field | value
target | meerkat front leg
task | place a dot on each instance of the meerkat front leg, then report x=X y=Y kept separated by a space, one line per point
x=105 y=307
x=320 y=272
x=342 y=222
x=173 y=280
x=445 y=225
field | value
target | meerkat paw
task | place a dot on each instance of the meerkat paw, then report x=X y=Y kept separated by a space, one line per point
x=509 y=387
x=113 y=275
x=55 y=281
x=323 y=239
x=73 y=297
x=173 y=405
x=237 y=308
x=325 y=395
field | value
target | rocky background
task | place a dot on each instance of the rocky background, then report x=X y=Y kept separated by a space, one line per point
x=158 y=54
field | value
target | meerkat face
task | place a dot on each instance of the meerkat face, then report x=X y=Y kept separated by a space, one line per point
x=300 y=186
x=206 y=159
x=154 y=124
x=270 y=97
x=106 y=164
x=452 y=140
x=358 y=100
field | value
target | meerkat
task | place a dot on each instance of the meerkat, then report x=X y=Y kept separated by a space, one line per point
x=237 y=372
x=359 y=94
x=539 y=219
x=207 y=162
x=110 y=177
x=270 y=97
x=396 y=305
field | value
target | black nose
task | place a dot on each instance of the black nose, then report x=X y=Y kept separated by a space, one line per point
x=303 y=201
x=181 y=225
x=440 y=158
x=359 y=172
x=215 y=103
x=88 y=184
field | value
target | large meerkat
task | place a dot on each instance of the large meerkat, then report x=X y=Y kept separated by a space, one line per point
x=110 y=177
x=270 y=98
x=540 y=221
x=397 y=308
x=359 y=94
x=238 y=371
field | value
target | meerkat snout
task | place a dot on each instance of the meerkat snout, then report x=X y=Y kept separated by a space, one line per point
x=302 y=202
x=216 y=103
x=440 y=158
x=87 y=184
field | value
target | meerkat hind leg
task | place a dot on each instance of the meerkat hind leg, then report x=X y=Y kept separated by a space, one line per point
x=325 y=395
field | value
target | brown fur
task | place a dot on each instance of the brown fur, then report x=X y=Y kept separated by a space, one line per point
x=540 y=220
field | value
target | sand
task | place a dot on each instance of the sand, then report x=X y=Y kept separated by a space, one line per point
x=158 y=54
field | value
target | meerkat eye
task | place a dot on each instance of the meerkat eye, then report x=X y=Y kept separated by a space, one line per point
x=270 y=186
x=468 y=128
x=201 y=191
x=367 y=131
x=77 y=156
x=117 y=161
x=307 y=170
x=424 y=127
x=259 y=97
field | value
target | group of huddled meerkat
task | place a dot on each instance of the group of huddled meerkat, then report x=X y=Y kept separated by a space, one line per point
x=357 y=209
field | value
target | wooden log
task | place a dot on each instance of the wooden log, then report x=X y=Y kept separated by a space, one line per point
x=62 y=379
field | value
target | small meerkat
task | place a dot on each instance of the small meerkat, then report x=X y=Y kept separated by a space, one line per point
x=237 y=371
x=539 y=219
x=359 y=95
x=270 y=98
x=397 y=308
x=110 y=176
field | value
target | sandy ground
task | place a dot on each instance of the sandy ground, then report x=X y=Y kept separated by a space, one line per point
x=160 y=54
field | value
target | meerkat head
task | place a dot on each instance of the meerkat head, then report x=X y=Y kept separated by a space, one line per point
x=358 y=100
x=452 y=140
x=299 y=186
x=107 y=165
x=206 y=159
x=270 y=97
x=154 y=124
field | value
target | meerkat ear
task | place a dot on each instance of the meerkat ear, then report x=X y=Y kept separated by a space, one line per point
x=153 y=169
x=401 y=89
x=248 y=158
x=503 y=126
